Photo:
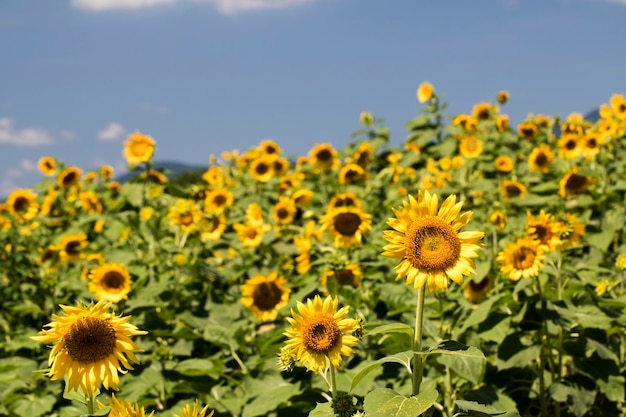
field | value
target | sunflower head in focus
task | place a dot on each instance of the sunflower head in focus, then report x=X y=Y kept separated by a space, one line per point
x=22 y=204
x=47 y=165
x=541 y=158
x=69 y=177
x=425 y=92
x=265 y=295
x=91 y=347
x=429 y=243
x=521 y=259
x=138 y=148
x=319 y=331
x=124 y=408
x=195 y=411
x=346 y=225
x=110 y=282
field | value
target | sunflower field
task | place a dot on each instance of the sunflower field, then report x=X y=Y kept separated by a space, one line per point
x=476 y=269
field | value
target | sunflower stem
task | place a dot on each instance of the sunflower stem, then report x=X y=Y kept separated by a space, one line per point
x=333 y=382
x=91 y=404
x=417 y=342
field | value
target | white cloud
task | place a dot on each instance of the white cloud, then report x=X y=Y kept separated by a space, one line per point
x=28 y=165
x=7 y=187
x=30 y=136
x=228 y=7
x=104 y=5
x=113 y=131
x=14 y=173
x=68 y=134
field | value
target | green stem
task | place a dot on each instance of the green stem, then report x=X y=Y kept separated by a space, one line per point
x=333 y=382
x=418 y=369
x=91 y=404
x=448 y=401
x=541 y=362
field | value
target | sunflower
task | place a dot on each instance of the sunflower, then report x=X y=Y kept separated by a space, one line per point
x=189 y=411
x=482 y=111
x=574 y=183
x=471 y=147
x=265 y=295
x=502 y=122
x=254 y=214
x=214 y=175
x=349 y=275
x=573 y=125
x=212 y=228
x=110 y=282
x=429 y=242
x=71 y=245
x=467 y=122
x=138 y=148
x=344 y=200
x=302 y=197
x=475 y=292
x=92 y=346
x=90 y=202
x=521 y=259
x=106 y=172
x=121 y=408
x=154 y=176
x=48 y=201
x=303 y=259
x=512 y=188
x=324 y=157
x=618 y=105
x=351 y=173
x=250 y=234
x=542 y=229
x=425 y=92
x=69 y=177
x=262 y=169
x=47 y=165
x=590 y=145
x=22 y=204
x=502 y=97
x=184 y=214
x=269 y=147
x=620 y=262
x=570 y=229
x=540 y=159
x=280 y=166
x=569 y=146
x=527 y=130
x=320 y=331
x=504 y=163
x=347 y=225
x=363 y=155
x=498 y=218
x=217 y=200
x=284 y=211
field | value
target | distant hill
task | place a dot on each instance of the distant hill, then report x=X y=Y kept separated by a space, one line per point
x=170 y=168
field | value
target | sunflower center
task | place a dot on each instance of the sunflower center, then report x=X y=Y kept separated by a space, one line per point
x=251 y=233
x=478 y=286
x=113 y=280
x=513 y=190
x=570 y=145
x=321 y=334
x=345 y=277
x=282 y=213
x=220 y=200
x=541 y=160
x=324 y=155
x=266 y=296
x=187 y=219
x=139 y=148
x=72 y=248
x=524 y=258
x=432 y=245
x=261 y=168
x=69 y=179
x=90 y=340
x=347 y=224
x=20 y=204
x=576 y=182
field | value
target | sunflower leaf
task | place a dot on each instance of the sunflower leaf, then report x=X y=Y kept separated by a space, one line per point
x=403 y=358
x=391 y=328
x=387 y=402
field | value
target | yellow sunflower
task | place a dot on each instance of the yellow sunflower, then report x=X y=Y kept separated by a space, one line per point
x=138 y=148
x=262 y=169
x=502 y=122
x=250 y=234
x=22 y=204
x=498 y=218
x=482 y=111
x=195 y=411
x=302 y=197
x=471 y=147
x=71 y=245
x=324 y=157
x=346 y=225
x=110 y=282
x=573 y=183
x=502 y=97
x=542 y=229
x=280 y=166
x=620 y=262
x=269 y=147
x=92 y=346
x=425 y=92
x=475 y=292
x=217 y=200
x=106 y=172
x=124 y=408
x=591 y=143
x=541 y=158
x=344 y=200
x=504 y=163
x=527 y=130
x=349 y=275
x=521 y=259
x=363 y=155
x=467 y=122
x=303 y=258
x=154 y=176
x=569 y=146
x=570 y=229
x=429 y=243
x=265 y=295
x=90 y=202
x=254 y=214
x=184 y=214
x=69 y=177
x=618 y=105
x=512 y=188
x=284 y=211
x=351 y=173
x=47 y=165
x=212 y=228
x=319 y=331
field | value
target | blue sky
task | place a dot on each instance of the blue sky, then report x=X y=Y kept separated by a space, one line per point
x=204 y=76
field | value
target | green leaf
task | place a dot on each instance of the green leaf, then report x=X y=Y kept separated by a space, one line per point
x=521 y=359
x=391 y=328
x=198 y=367
x=270 y=400
x=403 y=358
x=133 y=193
x=452 y=347
x=479 y=315
x=387 y=402
x=472 y=408
x=33 y=406
x=613 y=388
x=465 y=366
x=322 y=410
